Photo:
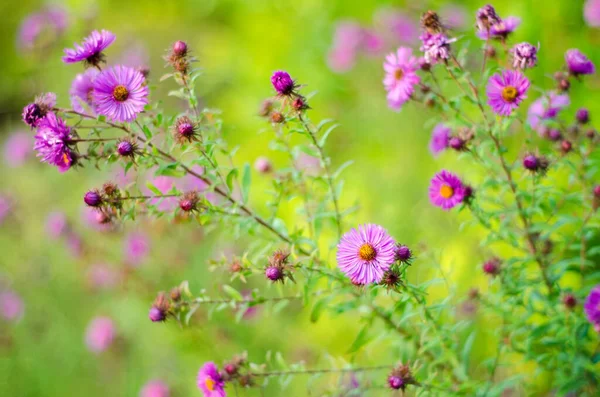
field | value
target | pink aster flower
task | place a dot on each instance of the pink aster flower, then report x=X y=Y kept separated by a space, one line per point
x=137 y=248
x=100 y=334
x=56 y=224
x=210 y=381
x=17 y=149
x=401 y=77
x=506 y=91
x=90 y=51
x=446 y=190
x=155 y=388
x=591 y=13
x=401 y=27
x=500 y=30
x=439 y=139
x=120 y=93
x=51 y=142
x=436 y=47
x=546 y=108
x=454 y=16
x=42 y=28
x=82 y=88
x=579 y=64
x=366 y=253
x=11 y=305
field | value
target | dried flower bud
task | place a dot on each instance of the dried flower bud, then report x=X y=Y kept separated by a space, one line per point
x=300 y=104
x=430 y=21
x=583 y=116
x=265 y=108
x=566 y=146
x=160 y=308
x=277 y=117
x=189 y=201
x=391 y=279
x=175 y=294
x=564 y=85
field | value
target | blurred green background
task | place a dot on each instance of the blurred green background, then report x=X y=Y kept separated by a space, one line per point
x=239 y=44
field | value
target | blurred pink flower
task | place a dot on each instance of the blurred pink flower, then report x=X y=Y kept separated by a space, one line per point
x=74 y=244
x=56 y=224
x=11 y=305
x=45 y=25
x=95 y=219
x=137 y=247
x=155 y=388
x=100 y=334
x=454 y=16
x=164 y=184
x=591 y=13
x=17 y=148
x=102 y=276
x=5 y=207
x=309 y=164
x=398 y=25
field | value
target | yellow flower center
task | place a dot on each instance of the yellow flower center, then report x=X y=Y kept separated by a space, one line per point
x=367 y=252
x=120 y=93
x=509 y=93
x=446 y=191
x=398 y=74
x=66 y=158
x=210 y=384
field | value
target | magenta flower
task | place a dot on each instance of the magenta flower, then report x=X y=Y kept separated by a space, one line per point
x=401 y=26
x=120 y=93
x=17 y=149
x=578 y=63
x=51 y=142
x=100 y=334
x=347 y=40
x=454 y=16
x=446 y=190
x=11 y=305
x=524 y=55
x=592 y=307
x=155 y=388
x=506 y=91
x=400 y=76
x=283 y=83
x=340 y=60
x=546 y=108
x=82 y=89
x=439 y=139
x=210 y=381
x=500 y=30
x=91 y=49
x=137 y=248
x=436 y=47
x=263 y=165
x=366 y=253
x=591 y=13
x=35 y=112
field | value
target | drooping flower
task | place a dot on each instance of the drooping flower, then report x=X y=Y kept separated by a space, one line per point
x=82 y=89
x=436 y=47
x=591 y=13
x=210 y=381
x=546 y=108
x=401 y=77
x=35 y=112
x=524 y=55
x=155 y=388
x=506 y=91
x=11 y=305
x=592 y=307
x=100 y=334
x=17 y=149
x=90 y=51
x=366 y=253
x=439 y=139
x=446 y=190
x=51 y=142
x=500 y=30
x=578 y=63
x=120 y=93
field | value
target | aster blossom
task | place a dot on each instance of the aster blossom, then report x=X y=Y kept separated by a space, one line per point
x=436 y=47
x=446 y=190
x=52 y=142
x=155 y=388
x=82 y=89
x=90 y=51
x=578 y=63
x=35 y=112
x=506 y=91
x=546 y=108
x=524 y=55
x=487 y=17
x=500 y=30
x=99 y=334
x=120 y=93
x=592 y=307
x=440 y=138
x=210 y=381
x=366 y=253
x=400 y=76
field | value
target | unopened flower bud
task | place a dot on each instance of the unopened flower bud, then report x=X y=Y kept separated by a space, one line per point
x=263 y=165
x=570 y=301
x=93 y=198
x=583 y=116
x=566 y=146
x=180 y=48
x=492 y=267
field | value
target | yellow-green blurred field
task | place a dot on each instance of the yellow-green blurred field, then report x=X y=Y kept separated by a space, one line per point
x=239 y=43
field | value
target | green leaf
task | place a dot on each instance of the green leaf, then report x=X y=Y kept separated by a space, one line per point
x=323 y=138
x=361 y=339
x=147 y=132
x=169 y=170
x=231 y=177
x=233 y=292
x=246 y=180
x=153 y=188
x=342 y=168
x=466 y=351
x=317 y=309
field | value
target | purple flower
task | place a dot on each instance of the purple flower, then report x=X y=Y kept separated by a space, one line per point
x=35 y=112
x=506 y=91
x=400 y=76
x=486 y=18
x=446 y=190
x=120 y=93
x=56 y=224
x=439 y=139
x=156 y=315
x=524 y=55
x=582 y=116
x=592 y=307
x=403 y=253
x=340 y=60
x=546 y=108
x=100 y=334
x=347 y=40
x=395 y=382
x=283 y=83
x=137 y=248
x=42 y=28
x=51 y=142
x=263 y=165
x=155 y=388
x=436 y=47
x=93 y=198
x=17 y=149
x=401 y=26
x=578 y=63
x=210 y=381
x=366 y=253
x=82 y=89
x=11 y=305
x=500 y=30
x=591 y=13
x=91 y=49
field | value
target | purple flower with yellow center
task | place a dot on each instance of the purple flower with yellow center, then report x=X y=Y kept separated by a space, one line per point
x=546 y=108
x=591 y=13
x=578 y=64
x=120 y=93
x=506 y=91
x=366 y=253
x=446 y=190
x=210 y=381
x=90 y=51
x=592 y=307
x=400 y=76
x=500 y=30
x=439 y=139
x=52 y=142
x=436 y=47
x=82 y=89
x=524 y=55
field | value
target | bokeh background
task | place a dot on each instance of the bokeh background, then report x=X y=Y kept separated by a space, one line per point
x=53 y=257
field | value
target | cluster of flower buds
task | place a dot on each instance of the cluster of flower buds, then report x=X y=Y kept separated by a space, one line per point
x=236 y=370
x=107 y=197
x=287 y=98
x=160 y=308
x=535 y=163
x=278 y=268
x=400 y=377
